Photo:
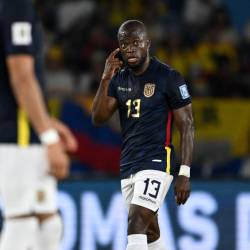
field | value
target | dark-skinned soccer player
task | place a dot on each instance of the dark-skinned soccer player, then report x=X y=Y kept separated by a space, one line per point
x=149 y=96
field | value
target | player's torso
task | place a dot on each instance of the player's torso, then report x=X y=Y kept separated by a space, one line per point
x=144 y=114
x=13 y=122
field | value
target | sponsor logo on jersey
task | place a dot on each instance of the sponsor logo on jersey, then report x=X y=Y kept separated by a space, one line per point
x=149 y=89
x=124 y=89
x=184 y=91
x=147 y=199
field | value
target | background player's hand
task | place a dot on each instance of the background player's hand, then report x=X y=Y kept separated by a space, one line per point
x=112 y=65
x=68 y=140
x=182 y=189
x=58 y=161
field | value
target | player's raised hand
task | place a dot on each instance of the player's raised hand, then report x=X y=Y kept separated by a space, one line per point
x=182 y=189
x=112 y=65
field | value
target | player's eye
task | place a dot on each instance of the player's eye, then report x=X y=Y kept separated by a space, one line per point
x=136 y=43
x=123 y=45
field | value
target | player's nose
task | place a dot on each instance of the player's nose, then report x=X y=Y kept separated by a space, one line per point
x=130 y=49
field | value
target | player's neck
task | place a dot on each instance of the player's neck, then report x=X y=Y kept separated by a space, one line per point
x=140 y=70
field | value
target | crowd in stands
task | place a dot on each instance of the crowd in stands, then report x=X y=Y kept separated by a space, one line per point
x=195 y=36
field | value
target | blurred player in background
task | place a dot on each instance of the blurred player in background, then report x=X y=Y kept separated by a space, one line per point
x=28 y=170
x=149 y=95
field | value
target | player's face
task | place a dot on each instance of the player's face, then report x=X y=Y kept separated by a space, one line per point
x=134 y=48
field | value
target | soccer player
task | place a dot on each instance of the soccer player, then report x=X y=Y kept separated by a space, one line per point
x=149 y=96
x=28 y=169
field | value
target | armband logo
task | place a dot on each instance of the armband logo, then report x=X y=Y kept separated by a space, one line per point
x=184 y=91
x=21 y=33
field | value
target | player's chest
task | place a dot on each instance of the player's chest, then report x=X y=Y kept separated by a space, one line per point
x=136 y=97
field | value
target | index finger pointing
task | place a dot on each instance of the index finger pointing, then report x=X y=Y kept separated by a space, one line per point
x=114 y=53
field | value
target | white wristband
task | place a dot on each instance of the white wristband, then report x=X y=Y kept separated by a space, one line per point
x=49 y=137
x=184 y=170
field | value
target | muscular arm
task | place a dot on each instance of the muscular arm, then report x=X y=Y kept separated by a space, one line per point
x=27 y=91
x=103 y=106
x=184 y=121
x=183 y=118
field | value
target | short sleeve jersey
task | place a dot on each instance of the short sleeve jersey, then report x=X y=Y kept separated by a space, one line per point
x=20 y=34
x=145 y=105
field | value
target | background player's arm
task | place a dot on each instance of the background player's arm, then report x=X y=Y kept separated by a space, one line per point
x=183 y=118
x=27 y=90
x=104 y=106
x=29 y=97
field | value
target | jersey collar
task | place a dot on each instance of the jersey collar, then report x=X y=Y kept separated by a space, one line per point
x=149 y=71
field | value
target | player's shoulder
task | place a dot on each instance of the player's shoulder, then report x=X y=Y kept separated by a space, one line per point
x=17 y=8
x=165 y=69
x=167 y=73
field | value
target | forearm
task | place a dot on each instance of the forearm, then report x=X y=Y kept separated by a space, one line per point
x=29 y=97
x=186 y=143
x=103 y=105
x=100 y=109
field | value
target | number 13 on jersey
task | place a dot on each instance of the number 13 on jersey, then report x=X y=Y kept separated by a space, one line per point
x=136 y=104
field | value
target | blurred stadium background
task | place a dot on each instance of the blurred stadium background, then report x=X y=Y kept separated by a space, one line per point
x=208 y=41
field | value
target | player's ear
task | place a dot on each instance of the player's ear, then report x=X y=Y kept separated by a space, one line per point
x=148 y=43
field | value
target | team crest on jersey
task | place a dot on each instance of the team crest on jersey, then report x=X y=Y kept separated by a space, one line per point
x=149 y=89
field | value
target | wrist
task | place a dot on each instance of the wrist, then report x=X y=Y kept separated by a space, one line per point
x=106 y=77
x=49 y=137
x=184 y=170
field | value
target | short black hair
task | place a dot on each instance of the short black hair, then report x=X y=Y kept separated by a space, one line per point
x=132 y=25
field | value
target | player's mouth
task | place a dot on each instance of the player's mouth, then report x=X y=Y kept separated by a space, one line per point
x=132 y=59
